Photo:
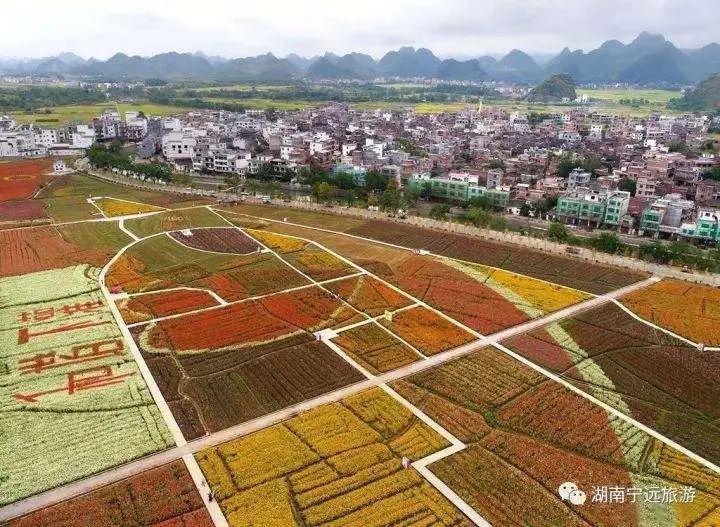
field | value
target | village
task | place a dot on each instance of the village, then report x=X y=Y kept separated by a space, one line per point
x=648 y=177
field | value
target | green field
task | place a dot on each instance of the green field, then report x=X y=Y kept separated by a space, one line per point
x=243 y=87
x=264 y=104
x=63 y=115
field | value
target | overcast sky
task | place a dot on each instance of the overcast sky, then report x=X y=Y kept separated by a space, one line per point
x=466 y=28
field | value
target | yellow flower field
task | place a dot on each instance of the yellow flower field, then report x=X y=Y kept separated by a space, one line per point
x=117 y=207
x=338 y=464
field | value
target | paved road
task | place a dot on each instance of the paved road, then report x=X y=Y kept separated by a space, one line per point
x=88 y=484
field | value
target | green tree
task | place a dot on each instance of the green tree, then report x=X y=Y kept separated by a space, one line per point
x=411 y=195
x=558 y=232
x=375 y=181
x=480 y=202
x=390 y=199
x=713 y=173
x=525 y=210
x=478 y=217
x=628 y=185
x=322 y=191
x=439 y=212
x=607 y=242
x=252 y=186
x=567 y=164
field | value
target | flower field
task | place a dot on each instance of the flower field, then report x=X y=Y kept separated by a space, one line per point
x=13 y=211
x=585 y=276
x=220 y=240
x=43 y=248
x=307 y=257
x=374 y=348
x=69 y=385
x=636 y=369
x=338 y=464
x=427 y=331
x=20 y=179
x=690 y=310
x=211 y=391
x=112 y=207
x=142 y=308
x=160 y=262
x=247 y=323
x=527 y=435
x=174 y=220
x=162 y=497
x=310 y=309
x=369 y=295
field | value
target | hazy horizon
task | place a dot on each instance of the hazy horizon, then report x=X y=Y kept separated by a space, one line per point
x=453 y=28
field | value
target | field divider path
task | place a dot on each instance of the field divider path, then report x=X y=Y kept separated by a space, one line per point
x=421 y=464
x=121 y=226
x=82 y=486
x=213 y=507
x=137 y=355
x=655 y=326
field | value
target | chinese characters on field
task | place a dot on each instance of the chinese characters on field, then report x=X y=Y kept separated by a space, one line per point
x=75 y=320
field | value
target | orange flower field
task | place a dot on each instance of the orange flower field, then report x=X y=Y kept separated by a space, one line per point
x=427 y=331
x=690 y=310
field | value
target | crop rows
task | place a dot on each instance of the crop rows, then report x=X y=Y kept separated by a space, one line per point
x=307 y=257
x=526 y=436
x=338 y=464
x=221 y=240
x=19 y=179
x=69 y=385
x=374 y=348
x=690 y=310
x=162 y=263
x=162 y=497
x=643 y=372
x=143 y=308
x=118 y=207
x=427 y=331
x=584 y=276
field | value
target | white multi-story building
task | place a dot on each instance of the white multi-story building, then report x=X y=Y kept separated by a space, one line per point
x=178 y=146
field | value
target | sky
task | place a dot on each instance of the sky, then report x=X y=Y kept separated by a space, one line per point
x=462 y=28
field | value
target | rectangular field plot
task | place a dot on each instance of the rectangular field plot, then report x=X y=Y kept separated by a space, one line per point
x=527 y=435
x=174 y=220
x=222 y=240
x=212 y=390
x=369 y=295
x=43 y=248
x=335 y=465
x=307 y=257
x=72 y=401
x=585 y=276
x=374 y=348
x=160 y=262
x=112 y=207
x=427 y=331
x=20 y=179
x=689 y=310
x=161 y=497
x=145 y=307
x=643 y=372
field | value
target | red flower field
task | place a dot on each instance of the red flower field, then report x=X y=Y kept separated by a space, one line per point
x=142 y=308
x=161 y=497
x=19 y=179
x=22 y=210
